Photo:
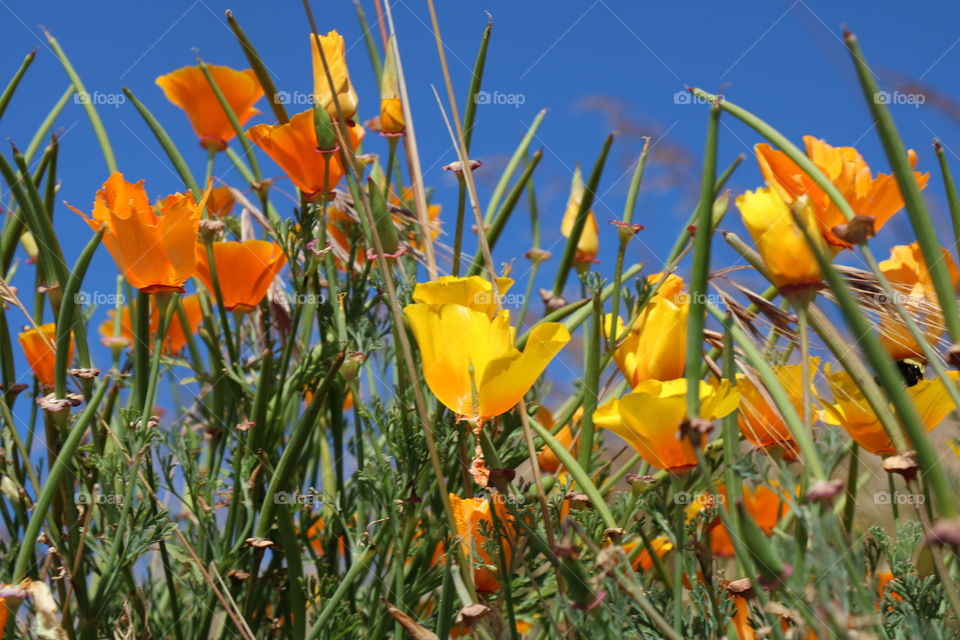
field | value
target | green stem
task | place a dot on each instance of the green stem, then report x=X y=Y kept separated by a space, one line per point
x=696 y=320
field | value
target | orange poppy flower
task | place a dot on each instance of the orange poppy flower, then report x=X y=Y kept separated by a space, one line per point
x=546 y=458
x=340 y=236
x=643 y=561
x=907 y=271
x=473 y=517
x=765 y=505
x=872 y=196
x=884 y=578
x=155 y=253
x=334 y=51
x=851 y=410
x=315 y=536
x=293 y=146
x=245 y=271
x=39 y=347
x=221 y=201
x=188 y=89
x=407 y=201
x=760 y=421
x=176 y=337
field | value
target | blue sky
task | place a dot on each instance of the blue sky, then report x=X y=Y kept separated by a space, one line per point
x=596 y=66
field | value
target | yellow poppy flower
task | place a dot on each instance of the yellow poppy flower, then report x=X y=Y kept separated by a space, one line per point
x=472 y=291
x=334 y=52
x=760 y=421
x=40 y=351
x=851 y=410
x=656 y=346
x=589 y=244
x=878 y=196
x=155 y=253
x=245 y=270
x=907 y=272
x=785 y=252
x=188 y=89
x=469 y=358
x=293 y=146
x=649 y=419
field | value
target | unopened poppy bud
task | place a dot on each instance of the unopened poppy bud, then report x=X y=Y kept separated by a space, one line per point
x=29 y=244
x=386 y=229
x=10 y=489
x=326 y=139
x=351 y=366
x=392 y=121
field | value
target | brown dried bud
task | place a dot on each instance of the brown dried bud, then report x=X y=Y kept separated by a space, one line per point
x=953 y=356
x=694 y=429
x=566 y=549
x=538 y=255
x=258 y=543
x=633 y=478
x=238 y=575
x=824 y=490
x=85 y=374
x=552 y=302
x=578 y=500
x=905 y=464
x=211 y=229
x=609 y=558
x=614 y=533
x=742 y=587
x=54 y=404
x=501 y=479
x=856 y=230
x=457 y=167
x=945 y=532
x=16 y=389
x=472 y=613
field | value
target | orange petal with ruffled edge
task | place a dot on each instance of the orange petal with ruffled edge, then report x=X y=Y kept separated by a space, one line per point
x=189 y=89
